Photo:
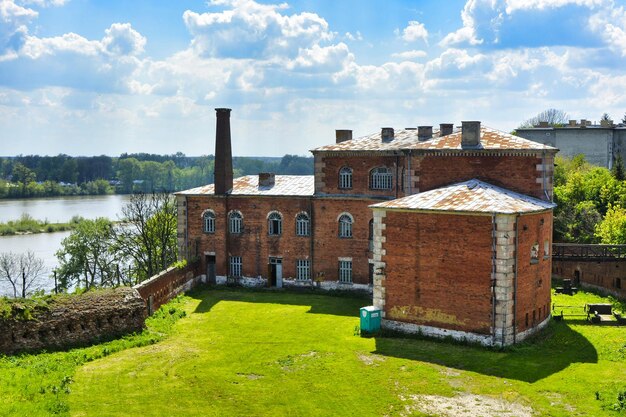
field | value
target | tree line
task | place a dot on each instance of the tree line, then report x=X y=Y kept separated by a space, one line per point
x=44 y=176
x=591 y=202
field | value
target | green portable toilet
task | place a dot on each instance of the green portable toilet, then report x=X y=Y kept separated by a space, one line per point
x=370 y=319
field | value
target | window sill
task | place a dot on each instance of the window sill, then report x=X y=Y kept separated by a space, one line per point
x=534 y=261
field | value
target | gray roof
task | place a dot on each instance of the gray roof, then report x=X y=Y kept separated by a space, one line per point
x=284 y=185
x=469 y=196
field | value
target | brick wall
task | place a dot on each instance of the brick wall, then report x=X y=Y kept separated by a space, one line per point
x=533 y=277
x=327 y=168
x=440 y=275
x=254 y=244
x=166 y=285
x=605 y=276
x=519 y=173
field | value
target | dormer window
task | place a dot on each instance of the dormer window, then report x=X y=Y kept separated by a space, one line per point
x=345 y=177
x=381 y=179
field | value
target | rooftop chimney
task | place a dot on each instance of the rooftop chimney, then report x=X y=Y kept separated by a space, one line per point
x=267 y=179
x=583 y=122
x=445 y=129
x=544 y=124
x=343 y=135
x=424 y=132
x=470 y=134
x=572 y=123
x=223 y=172
x=386 y=134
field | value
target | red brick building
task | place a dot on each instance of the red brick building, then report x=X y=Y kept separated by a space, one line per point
x=320 y=230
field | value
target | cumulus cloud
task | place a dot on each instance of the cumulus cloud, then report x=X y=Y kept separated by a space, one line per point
x=248 y=29
x=413 y=54
x=414 y=31
x=14 y=20
x=122 y=39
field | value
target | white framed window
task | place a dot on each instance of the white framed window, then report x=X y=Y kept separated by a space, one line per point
x=381 y=179
x=303 y=269
x=274 y=223
x=235 y=222
x=345 y=177
x=546 y=249
x=345 y=225
x=208 y=221
x=234 y=269
x=303 y=225
x=345 y=271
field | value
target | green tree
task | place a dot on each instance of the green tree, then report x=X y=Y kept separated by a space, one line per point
x=86 y=259
x=148 y=234
x=612 y=229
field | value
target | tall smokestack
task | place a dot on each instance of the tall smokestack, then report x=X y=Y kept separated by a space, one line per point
x=223 y=172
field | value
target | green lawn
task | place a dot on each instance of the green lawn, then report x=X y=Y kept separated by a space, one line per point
x=247 y=353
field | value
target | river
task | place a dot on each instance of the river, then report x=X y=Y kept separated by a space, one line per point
x=55 y=209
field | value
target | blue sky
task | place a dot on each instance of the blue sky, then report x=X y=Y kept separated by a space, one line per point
x=85 y=77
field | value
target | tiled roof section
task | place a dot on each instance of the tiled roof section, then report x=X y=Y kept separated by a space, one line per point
x=469 y=196
x=284 y=185
x=490 y=139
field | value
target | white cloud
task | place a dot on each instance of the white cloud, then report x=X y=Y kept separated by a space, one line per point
x=122 y=39
x=513 y=5
x=415 y=31
x=14 y=20
x=323 y=59
x=413 y=54
x=252 y=30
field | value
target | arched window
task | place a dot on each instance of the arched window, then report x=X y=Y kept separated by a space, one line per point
x=303 y=225
x=345 y=177
x=208 y=221
x=381 y=179
x=274 y=223
x=345 y=226
x=235 y=222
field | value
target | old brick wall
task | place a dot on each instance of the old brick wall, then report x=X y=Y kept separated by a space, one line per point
x=440 y=273
x=329 y=247
x=606 y=276
x=517 y=173
x=76 y=321
x=328 y=166
x=533 y=276
x=254 y=245
x=166 y=285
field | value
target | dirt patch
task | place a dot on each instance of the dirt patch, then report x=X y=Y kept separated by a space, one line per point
x=466 y=405
x=370 y=359
x=251 y=377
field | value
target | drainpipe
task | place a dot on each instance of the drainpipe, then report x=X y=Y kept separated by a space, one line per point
x=494 y=258
x=515 y=279
x=545 y=183
x=397 y=168
x=187 y=228
x=311 y=241
x=410 y=175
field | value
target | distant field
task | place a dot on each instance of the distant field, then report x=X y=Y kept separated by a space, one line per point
x=246 y=353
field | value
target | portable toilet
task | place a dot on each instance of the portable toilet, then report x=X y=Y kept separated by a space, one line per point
x=370 y=319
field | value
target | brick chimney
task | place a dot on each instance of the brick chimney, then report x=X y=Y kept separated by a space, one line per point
x=267 y=179
x=223 y=172
x=424 y=132
x=342 y=135
x=470 y=134
x=572 y=123
x=386 y=134
x=445 y=129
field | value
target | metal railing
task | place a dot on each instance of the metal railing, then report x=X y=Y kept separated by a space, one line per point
x=588 y=251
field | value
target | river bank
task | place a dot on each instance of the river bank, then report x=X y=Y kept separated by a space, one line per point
x=26 y=225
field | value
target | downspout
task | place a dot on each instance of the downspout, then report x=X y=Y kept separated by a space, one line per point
x=397 y=168
x=494 y=258
x=187 y=228
x=515 y=278
x=312 y=240
x=409 y=174
x=543 y=170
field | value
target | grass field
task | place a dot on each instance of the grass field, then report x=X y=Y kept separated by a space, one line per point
x=247 y=353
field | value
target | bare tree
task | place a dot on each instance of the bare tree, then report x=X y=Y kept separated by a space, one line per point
x=605 y=117
x=553 y=117
x=22 y=271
